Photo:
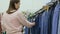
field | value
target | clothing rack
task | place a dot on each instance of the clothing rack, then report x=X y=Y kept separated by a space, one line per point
x=42 y=9
x=48 y=4
x=49 y=16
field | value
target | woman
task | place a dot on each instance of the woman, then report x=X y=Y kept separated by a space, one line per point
x=13 y=21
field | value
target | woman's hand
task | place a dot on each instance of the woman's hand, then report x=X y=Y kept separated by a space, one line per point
x=33 y=23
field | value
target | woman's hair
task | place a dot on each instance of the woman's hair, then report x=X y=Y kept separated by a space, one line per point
x=12 y=6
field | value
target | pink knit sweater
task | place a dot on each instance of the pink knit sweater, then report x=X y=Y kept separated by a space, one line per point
x=13 y=23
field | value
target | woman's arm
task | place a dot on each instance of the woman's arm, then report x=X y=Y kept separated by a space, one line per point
x=24 y=21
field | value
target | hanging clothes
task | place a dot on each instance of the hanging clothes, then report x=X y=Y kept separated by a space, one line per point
x=43 y=22
x=50 y=17
x=46 y=20
x=59 y=24
x=55 y=19
x=36 y=29
x=28 y=30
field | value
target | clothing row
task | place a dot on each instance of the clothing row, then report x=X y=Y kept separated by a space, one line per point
x=46 y=22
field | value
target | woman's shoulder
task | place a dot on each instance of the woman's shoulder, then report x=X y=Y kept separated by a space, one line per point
x=19 y=12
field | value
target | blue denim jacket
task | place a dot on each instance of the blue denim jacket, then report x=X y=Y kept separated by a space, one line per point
x=55 y=19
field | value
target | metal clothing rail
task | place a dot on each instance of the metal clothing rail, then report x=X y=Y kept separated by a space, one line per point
x=42 y=9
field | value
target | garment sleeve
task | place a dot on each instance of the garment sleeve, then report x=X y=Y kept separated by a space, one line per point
x=24 y=21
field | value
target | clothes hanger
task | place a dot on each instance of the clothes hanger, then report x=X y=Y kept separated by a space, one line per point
x=47 y=7
x=40 y=11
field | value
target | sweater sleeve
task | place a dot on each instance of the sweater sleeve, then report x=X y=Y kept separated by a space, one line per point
x=24 y=21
